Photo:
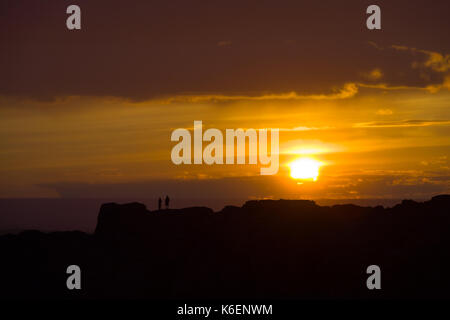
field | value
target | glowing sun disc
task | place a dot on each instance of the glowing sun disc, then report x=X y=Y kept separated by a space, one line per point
x=305 y=169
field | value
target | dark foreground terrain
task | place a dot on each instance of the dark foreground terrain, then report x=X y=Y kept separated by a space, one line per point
x=264 y=249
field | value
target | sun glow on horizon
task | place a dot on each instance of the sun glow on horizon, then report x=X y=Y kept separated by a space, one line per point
x=305 y=169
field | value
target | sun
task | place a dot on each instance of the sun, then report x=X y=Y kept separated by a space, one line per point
x=305 y=169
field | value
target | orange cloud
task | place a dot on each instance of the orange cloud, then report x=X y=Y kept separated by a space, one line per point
x=347 y=91
x=373 y=75
x=404 y=123
x=436 y=61
x=384 y=112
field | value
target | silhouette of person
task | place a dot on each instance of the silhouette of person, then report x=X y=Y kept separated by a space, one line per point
x=167 y=202
x=159 y=203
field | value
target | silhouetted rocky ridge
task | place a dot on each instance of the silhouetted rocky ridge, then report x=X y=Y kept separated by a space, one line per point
x=265 y=249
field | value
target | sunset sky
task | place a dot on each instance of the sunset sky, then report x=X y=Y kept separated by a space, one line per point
x=89 y=113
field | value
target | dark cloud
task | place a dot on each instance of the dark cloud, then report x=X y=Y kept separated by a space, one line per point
x=396 y=184
x=147 y=49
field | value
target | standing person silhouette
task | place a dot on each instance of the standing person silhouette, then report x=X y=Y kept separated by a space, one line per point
x=167 y=202
x=159 y=203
